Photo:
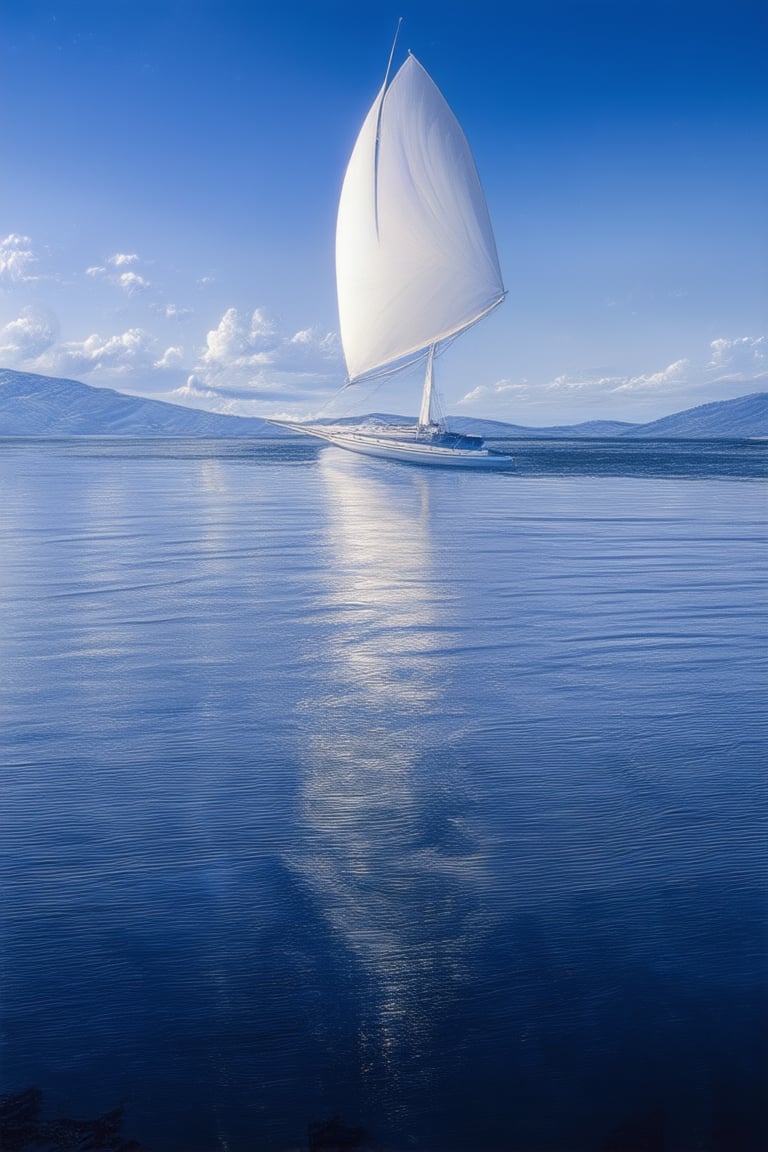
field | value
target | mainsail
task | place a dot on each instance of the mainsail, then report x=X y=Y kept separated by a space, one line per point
x=416 y=260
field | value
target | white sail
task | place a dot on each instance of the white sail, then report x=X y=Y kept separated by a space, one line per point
x=416 y=259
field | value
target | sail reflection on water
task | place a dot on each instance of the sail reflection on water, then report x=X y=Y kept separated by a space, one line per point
x=386 y=847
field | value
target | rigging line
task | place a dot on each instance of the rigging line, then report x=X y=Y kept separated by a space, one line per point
x=372 y=392
x=377 y=383
x=331 y=400
x=378 y=130
x=441 y=342
x=387 y=370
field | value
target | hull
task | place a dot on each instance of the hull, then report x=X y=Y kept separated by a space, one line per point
x=407 y=451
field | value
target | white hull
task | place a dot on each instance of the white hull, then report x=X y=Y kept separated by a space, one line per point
x=411 y=451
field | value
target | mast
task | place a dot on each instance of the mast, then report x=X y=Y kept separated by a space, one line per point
x=425 y=414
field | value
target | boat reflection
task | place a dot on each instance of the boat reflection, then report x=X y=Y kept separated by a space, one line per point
x=386 y=846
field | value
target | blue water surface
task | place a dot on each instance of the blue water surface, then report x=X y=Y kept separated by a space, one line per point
x=429 y=800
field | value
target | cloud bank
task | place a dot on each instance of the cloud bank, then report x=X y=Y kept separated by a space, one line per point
x=246 y=363
x=740 y=361
x=249 y=361
x=31 y=341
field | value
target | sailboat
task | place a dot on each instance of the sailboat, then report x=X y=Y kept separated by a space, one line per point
x=416 y=263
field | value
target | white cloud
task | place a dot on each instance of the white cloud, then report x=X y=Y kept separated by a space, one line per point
x=508 y=386
x=124 y=354
x=114 y=355
x=176 y=311
x=744 y=354
x=504 y=388
x=248 y=362
x=248 y=356
x=193 y=388
x=293 y=403
x=578 y=382
x=26 y=338
x=32 y=341
x=237 y=343
x=481 y=392
x=729 y=366
x=17 y=259
x=173 y=357
x=674 y=376
x=131 y=282
x=744 y=359
x=194 y=394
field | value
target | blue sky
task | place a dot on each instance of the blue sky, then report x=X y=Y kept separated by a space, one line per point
x=171 y=169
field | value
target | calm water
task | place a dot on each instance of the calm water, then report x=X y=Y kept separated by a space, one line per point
x=432 y=800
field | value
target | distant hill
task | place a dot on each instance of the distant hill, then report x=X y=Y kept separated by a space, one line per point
x=722 y=419
x=494 y=429
x=32 y=405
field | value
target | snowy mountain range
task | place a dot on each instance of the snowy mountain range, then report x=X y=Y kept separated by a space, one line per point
x=32 y=405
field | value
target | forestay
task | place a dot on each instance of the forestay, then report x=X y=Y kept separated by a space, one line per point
x=416 y=259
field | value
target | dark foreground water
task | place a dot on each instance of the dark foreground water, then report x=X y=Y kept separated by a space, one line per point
x=429 y=800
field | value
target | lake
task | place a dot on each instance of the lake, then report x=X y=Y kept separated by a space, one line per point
x=432 y=801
